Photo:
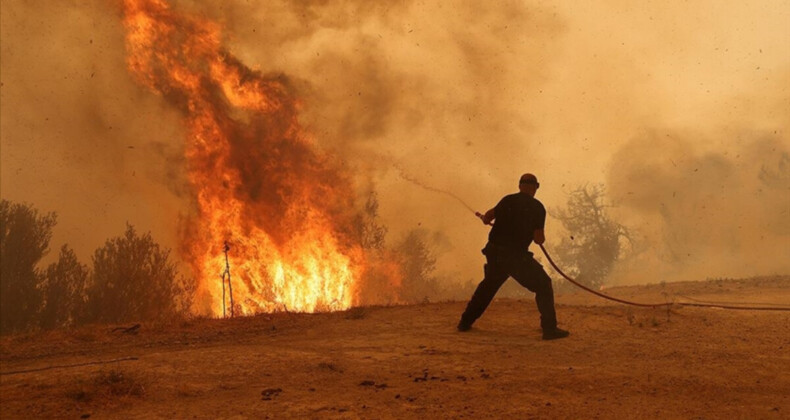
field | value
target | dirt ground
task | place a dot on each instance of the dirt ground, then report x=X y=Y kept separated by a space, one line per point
x=409 y=362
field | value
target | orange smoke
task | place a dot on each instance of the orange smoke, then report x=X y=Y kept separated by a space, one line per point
x=287 y=210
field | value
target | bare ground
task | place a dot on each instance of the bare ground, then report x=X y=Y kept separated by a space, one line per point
x=409 y=362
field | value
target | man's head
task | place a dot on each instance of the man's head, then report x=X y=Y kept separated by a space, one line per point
x=528 y=184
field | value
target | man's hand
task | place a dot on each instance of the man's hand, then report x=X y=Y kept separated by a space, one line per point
x=486 y=218
x=539 y=237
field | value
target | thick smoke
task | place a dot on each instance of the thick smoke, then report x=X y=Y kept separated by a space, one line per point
x=462 y=96
x=78 y=136
x=711 y=197
x=705 y=213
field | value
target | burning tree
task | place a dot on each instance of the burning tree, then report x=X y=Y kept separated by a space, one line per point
x=258 y=180
x=595 y=241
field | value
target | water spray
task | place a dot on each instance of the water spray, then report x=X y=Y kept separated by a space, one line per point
x=414 y=181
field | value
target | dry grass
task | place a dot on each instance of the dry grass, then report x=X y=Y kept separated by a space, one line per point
x=676 y=362
x=329 y=367
x=110 y=384
x=358 y=312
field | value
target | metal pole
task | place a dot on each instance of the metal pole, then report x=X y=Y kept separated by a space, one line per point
x=226 y=248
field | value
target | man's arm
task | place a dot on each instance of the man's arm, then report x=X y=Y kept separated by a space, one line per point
x=538 y=236
x=488 y=217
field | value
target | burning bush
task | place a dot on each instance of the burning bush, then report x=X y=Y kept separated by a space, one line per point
x=259 y=181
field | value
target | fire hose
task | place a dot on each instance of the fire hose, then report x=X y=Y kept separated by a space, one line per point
x=650 y=305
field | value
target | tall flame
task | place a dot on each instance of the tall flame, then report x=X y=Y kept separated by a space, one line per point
x=259 y=183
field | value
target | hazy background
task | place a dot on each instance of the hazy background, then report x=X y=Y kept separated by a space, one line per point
x=681 y=108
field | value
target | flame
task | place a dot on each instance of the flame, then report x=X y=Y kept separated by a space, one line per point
x=286 y=210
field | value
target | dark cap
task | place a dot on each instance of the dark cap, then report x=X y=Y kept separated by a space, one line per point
x=528 y=179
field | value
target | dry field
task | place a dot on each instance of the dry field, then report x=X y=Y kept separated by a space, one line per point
x=409 y=362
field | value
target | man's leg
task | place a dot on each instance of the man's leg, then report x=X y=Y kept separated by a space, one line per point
x=530 y=274
x=495 y=276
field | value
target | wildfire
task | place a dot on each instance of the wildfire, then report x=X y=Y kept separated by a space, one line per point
x=259 y=183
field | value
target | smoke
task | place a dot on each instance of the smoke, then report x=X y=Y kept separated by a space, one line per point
x=711 y=197
x=463 y=96
x=78 y=136
x=705 y=213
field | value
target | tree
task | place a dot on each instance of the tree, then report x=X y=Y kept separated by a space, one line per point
x=418 y=264
x=134 y=279
x=63 y=290
x=595 y=242
x=367 y=227
x=24 y=241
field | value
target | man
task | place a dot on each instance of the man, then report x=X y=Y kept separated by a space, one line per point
x=518 y=220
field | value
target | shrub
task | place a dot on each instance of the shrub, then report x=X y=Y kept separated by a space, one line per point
x=366 y=225
x=24 y=240
x=63 y=290
x=134 y=279
x=418 y=264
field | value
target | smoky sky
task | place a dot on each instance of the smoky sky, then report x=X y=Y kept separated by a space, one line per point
x=673 y=105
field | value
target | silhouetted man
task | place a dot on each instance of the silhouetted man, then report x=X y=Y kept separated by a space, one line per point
x=518 y=220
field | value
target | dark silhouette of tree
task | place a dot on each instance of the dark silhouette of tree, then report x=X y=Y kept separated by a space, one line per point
x=418 y=264
x=64 y=290
x=595 y=241
x=367 y=226
x=24 y=240
x=134 y=279
x=778 y=174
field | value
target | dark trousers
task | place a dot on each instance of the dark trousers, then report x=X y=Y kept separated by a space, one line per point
x=501 y=264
